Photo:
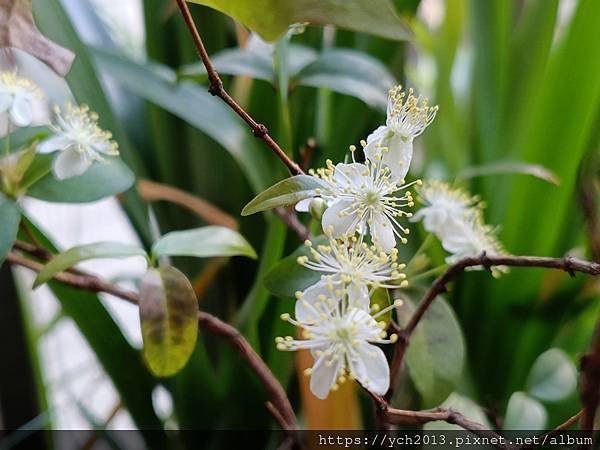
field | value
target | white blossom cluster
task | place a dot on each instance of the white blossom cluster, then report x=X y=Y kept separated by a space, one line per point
x=364 y=209
x=74 y=133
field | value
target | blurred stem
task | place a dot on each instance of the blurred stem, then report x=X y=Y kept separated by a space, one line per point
x=429 y=273
x=281 y=64
x=7 y=144
x=324 y=96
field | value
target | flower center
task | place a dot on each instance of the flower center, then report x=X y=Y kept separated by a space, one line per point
x=372 y=198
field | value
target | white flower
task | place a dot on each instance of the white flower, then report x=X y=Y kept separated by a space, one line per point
x=446 y=209
x=474 y=238
x=362 y=196
x=352 y=264
x=80 y=141
x=407 y=118
x=20 y=101
x=340 y=336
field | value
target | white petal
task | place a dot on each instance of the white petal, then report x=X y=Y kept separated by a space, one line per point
x=5 y=102
x=398 y=156
x=371 y=366
x=324 y=374
x=341 y=224
x=310 y=305
x=383 y=232
x=374 y=140
x=354 y=174
x=53 y=144
x=21 y=112
x=303 y=205
x=68 y=164
x=104 y=147
x=358 y=296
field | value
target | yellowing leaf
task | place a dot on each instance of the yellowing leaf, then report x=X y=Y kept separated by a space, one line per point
x=271 y=18
x=169 y=319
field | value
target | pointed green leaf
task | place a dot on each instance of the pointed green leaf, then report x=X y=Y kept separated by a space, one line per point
x=286 y=192
x=350 y=72
x=436 y=353
x=553 y=376
x=102 y=179
x=204 y=242
x=501 y=168
x=524 y=413
x=10 y=216
x=271 y=18
x=288 y=277
x=75 y=255
x=169 y=319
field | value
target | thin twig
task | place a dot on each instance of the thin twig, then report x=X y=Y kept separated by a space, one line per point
x=568 y=264
x=216 y=88
x=206 y=321
x=590 y=382
x=290 y=218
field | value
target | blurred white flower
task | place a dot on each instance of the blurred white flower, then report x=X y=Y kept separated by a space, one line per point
x=354 y=265
x=79 y=140
x=446 y=209
x=340 y=336
x=407 y=117
x=21 y=101
x=362 y=196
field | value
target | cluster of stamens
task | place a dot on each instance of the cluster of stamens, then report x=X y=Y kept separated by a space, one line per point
x=15 y=84
x=409 y=115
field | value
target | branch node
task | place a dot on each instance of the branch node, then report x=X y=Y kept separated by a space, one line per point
x=569 y=266
x=216 y=87
x=260 y=130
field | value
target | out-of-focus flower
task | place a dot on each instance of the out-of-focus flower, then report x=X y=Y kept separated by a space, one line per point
x=20 y=101
x=361 y=197
x=340 y=336
x=407 y=117
x=80 y=141
x=354 y=265
x=445 y=208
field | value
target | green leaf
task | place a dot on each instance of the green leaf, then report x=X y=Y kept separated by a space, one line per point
x=436 y=354
x=466 y=407
x=501 y=168
x=102 y=179
x=350 y=72
x=22 y=137
x=553 y=376
x=10 y=217
x=158 y=84
x=271 y=18
x=286 y=192
x=524 y=413
x=203 y=242
x=381 y=298
x=75 y=255
x=169 y=319
x=288 y=277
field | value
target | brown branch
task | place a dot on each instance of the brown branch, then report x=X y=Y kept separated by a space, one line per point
x=568 y=264
x=206 y=321
x=290 y=218
x=415 y=418
x=590 y=382
x=216 y=88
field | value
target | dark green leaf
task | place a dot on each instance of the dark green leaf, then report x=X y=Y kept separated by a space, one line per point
x=288 y=277
x=286 y=192
x=102 y=179
x=553 y=376
x=10 y=216
x=271 y=18
x=204 y=242
x=75 y=255
x=436 y=354
x=169 y=318
x=352 y=73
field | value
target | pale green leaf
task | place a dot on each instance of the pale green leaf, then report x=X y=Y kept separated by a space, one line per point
x=271 y=18
x=10 y=216
x=286 y=192
x=436 y=354
x=466 y=407
x=553 y=376
x=75 y=255
x=203 y=242
x=169 y=319
x=524 y=413
x=352 y=73
x=102 y=179
x=508 y=168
